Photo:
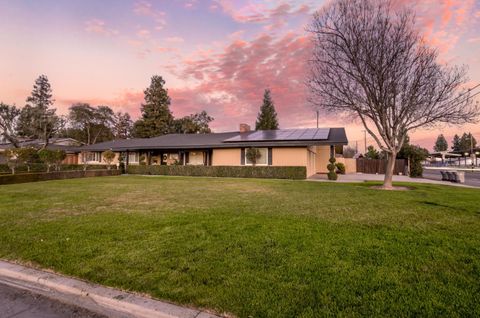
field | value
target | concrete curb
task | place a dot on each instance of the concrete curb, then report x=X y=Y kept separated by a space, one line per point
x=103 y=300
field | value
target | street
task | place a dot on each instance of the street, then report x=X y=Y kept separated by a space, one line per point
x=19 y=303
x=471 y=178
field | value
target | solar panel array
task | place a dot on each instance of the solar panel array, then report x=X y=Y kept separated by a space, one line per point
x=283 y=135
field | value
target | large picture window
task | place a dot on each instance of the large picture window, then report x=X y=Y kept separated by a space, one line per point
x=94 y=157
x=133 y=157
x=262 y=161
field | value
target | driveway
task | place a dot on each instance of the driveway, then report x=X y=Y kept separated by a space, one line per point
x=19 y=303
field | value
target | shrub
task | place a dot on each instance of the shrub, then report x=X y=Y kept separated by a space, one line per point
x=108 y=157
x=33 y=177
x=297 y=173
x=340 y=168
x=48 y=157
x=332 y=175
x=253 y=155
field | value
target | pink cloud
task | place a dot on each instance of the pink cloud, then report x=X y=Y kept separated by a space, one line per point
x=99 y=27
x=145 y=8
x=143 y=33
x=175 y=39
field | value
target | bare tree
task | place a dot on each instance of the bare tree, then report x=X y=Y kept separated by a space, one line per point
x=370 y=62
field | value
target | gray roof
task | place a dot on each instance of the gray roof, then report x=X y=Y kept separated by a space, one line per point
x=336 y=136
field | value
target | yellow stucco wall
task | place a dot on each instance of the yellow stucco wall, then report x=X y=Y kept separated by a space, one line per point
x=323 y=154
x=350 y=164
x=226 y=157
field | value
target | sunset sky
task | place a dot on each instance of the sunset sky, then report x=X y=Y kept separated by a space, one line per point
x=215 y=55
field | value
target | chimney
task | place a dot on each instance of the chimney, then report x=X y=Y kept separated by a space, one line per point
x=244 y=128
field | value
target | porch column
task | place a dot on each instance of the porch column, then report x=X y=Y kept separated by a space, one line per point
x=332 y=151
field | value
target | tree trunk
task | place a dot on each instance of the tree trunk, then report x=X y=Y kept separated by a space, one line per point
x=387 y=182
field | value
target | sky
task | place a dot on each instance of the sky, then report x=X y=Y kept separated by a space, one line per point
x=215 y=55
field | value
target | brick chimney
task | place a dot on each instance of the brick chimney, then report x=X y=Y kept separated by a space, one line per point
x=244 y=128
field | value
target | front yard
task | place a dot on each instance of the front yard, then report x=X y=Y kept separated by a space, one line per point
x=260 y=248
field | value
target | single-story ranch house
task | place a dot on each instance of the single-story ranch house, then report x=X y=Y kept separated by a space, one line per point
x=310 y=148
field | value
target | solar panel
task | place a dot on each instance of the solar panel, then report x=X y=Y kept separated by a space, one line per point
x=283 y=135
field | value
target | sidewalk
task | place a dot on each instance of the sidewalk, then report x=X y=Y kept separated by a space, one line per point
x=360 y=177
x=93 y=300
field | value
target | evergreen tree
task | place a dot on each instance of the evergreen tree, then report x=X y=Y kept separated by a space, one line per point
x=467 y=142
x=38 y=119
x=456 y=143
x=441 y=144
x=267 y=117
x=156 y=116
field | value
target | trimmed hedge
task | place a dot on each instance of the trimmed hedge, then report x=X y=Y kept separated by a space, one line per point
x=43 y=176
x=296 y=173
x=40 y=167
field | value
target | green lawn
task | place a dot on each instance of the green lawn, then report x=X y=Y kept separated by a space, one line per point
x=260 y=248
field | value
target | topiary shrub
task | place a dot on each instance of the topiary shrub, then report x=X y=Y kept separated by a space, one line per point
x=340 y=168
x=332 y=175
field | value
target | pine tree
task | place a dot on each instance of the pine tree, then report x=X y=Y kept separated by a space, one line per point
x=441 y=144
x=267 y=117
x=456 y=143
x=467 y=142
x=156 y=115
x=37 y=119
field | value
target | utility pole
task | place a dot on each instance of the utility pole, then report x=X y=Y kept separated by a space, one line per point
x=356 y=146
x=317 y=116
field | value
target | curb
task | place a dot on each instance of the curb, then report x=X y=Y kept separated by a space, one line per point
x=103 y=300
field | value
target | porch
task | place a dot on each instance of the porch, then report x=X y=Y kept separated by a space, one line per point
x=169 y=157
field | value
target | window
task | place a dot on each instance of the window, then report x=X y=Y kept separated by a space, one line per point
x=94 y=157
x=262 y=161
x=133 y=157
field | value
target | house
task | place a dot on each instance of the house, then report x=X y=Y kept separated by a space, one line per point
x=310 y=148
x=69 y=145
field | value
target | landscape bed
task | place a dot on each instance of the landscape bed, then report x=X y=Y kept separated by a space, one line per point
x=251 y=247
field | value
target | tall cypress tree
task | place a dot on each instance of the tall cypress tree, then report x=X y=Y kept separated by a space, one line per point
x=156 y=115
x=267 y=117
x=456 y=143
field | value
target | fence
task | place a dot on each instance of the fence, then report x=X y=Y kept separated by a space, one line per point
x=374 y=166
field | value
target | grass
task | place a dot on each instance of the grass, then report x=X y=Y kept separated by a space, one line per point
x=256 y=248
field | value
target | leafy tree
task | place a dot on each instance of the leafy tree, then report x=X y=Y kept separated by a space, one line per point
x=456 y=143
x=27 y=156
x=90 y=124
x=441 y=143
x=37 y=119
x=12 y=159
x=156 y=117
x=59 y=155
x=253 y=155
x=123 y=126
x=267 y=117
x=467 y=142
x=371 y=62
x=193 y=124
x=415 y=155
x=48 y=157
x=108 y=156
x=372 y=153
x=8 y=123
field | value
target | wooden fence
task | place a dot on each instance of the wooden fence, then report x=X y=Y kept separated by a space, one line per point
x=374 y=166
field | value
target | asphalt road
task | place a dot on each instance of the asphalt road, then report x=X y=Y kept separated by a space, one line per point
x=19 y=303
x=471 y=178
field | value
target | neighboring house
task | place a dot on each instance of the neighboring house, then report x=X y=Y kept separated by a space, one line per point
x=69 y=145
x=310 y=148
